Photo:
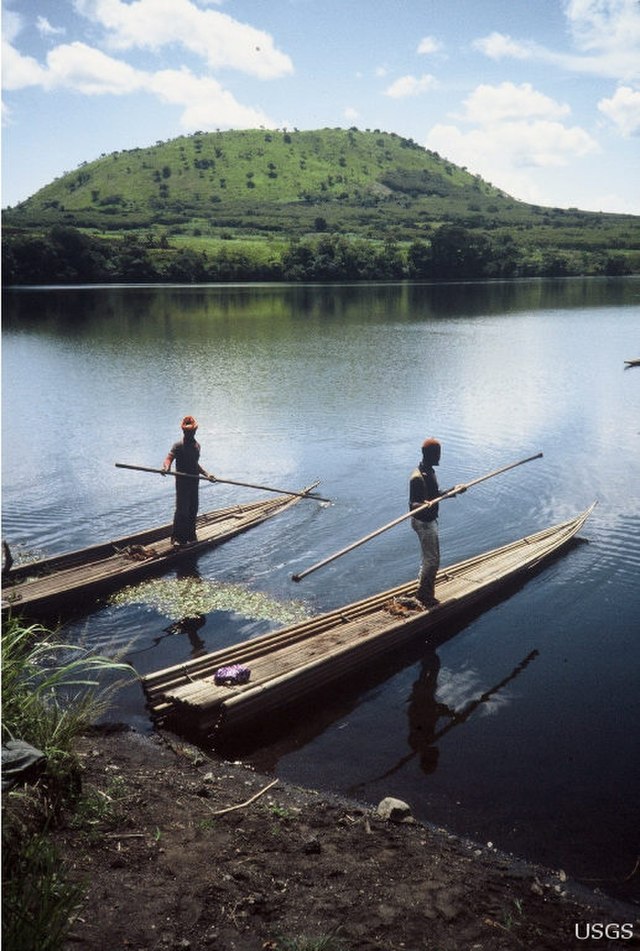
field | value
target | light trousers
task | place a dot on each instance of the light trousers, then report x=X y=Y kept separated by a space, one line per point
x=427 y=532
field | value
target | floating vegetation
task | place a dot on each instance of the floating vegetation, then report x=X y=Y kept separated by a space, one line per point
x=179 y=598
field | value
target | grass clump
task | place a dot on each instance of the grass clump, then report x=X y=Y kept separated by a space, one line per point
x=51 y=693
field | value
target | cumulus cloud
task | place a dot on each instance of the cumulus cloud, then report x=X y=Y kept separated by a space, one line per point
x=91 y=71
x=514 y=144
x=46 y=29
x=605 y=34
x=411 y=86
x=84 y=69
x=623 y=109
x=205 y=103
x=598 y=25
x=515 y=131
x=19 y=71
x=218 y=39
x=500 y=46
x=510 y=101
x=429 y=44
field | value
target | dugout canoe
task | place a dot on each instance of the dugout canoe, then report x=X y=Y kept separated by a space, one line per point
x=65 y=583
x=288 y=665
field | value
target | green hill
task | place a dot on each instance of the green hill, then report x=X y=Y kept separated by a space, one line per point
x=206 y=188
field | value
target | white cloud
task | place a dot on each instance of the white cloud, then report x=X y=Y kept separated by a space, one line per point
x=411 y=86
x=19 y=71
x=623 y=109
x=206 y=104
x=511 y=145
x=429 y=44
x=499 y=46
x=517 y=134
x=606 y=34
x=90 y=71
x=351 y=114
x=215 y=37
x=46 y=29
x=510 y=101
x=599 y=25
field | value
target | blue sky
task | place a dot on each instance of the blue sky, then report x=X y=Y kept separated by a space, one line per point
x=539 y=97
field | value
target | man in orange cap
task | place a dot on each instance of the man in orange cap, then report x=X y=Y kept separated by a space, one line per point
x=186 y=453
x=423 y=486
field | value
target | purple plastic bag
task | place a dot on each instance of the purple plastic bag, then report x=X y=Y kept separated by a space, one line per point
x=234 y=674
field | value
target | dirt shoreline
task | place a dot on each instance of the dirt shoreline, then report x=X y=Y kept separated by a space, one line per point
x=180 y=851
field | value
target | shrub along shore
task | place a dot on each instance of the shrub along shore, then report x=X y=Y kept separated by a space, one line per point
x=67 y=255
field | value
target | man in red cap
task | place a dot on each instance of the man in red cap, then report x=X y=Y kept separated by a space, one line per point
x=186 y=453
x=423 y=486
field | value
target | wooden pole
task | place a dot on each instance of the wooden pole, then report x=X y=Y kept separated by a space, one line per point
x=247 y=485
x=445 y=495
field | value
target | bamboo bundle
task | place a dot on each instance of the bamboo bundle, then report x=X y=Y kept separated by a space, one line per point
x=287 y=664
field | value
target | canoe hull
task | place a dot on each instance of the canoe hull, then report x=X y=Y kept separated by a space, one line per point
x=289 y=665
x=67 y=583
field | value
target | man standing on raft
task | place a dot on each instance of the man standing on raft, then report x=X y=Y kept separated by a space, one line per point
x=187 y=457
x=423 y=486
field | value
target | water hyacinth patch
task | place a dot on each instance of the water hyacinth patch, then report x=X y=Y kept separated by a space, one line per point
x=179 y=598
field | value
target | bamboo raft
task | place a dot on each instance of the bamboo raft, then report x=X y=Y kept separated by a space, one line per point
x=288 y=665
x=54 y=586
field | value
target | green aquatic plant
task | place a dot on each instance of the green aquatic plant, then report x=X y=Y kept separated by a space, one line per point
x=179 y=598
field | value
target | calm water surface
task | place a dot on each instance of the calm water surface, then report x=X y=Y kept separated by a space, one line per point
x=343 y=383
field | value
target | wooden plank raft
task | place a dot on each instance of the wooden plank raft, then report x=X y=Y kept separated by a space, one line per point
x=49 y=588
x=289 y=664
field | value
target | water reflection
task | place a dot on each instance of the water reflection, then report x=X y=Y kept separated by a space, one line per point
x=426 y=710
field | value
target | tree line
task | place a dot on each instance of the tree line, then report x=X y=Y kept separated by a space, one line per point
x=65 y=255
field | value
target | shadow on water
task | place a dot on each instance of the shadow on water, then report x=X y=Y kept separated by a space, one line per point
x=425 y=713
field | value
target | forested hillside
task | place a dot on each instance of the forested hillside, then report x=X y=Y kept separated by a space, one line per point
x=297 y=205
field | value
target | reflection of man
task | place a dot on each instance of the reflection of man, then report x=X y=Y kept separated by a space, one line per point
x=424 y=713
x=190 y=626
x=187 y=457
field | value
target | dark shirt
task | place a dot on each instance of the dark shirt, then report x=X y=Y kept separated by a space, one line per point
x=423 y=486
x=187 y=456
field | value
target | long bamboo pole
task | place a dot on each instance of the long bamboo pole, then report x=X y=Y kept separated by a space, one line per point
x=445 y=495
x=246 y=485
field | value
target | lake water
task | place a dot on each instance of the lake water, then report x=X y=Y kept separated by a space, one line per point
x=342 y=383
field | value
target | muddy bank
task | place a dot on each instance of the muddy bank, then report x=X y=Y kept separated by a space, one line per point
x=178 y=851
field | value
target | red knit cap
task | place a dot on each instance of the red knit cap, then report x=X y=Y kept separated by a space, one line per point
x=189 y=423
x=431 y=451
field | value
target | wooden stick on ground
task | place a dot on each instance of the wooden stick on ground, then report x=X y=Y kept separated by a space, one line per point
x=241 y=805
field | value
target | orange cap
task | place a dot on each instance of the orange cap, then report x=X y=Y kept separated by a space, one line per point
x=189 y=423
